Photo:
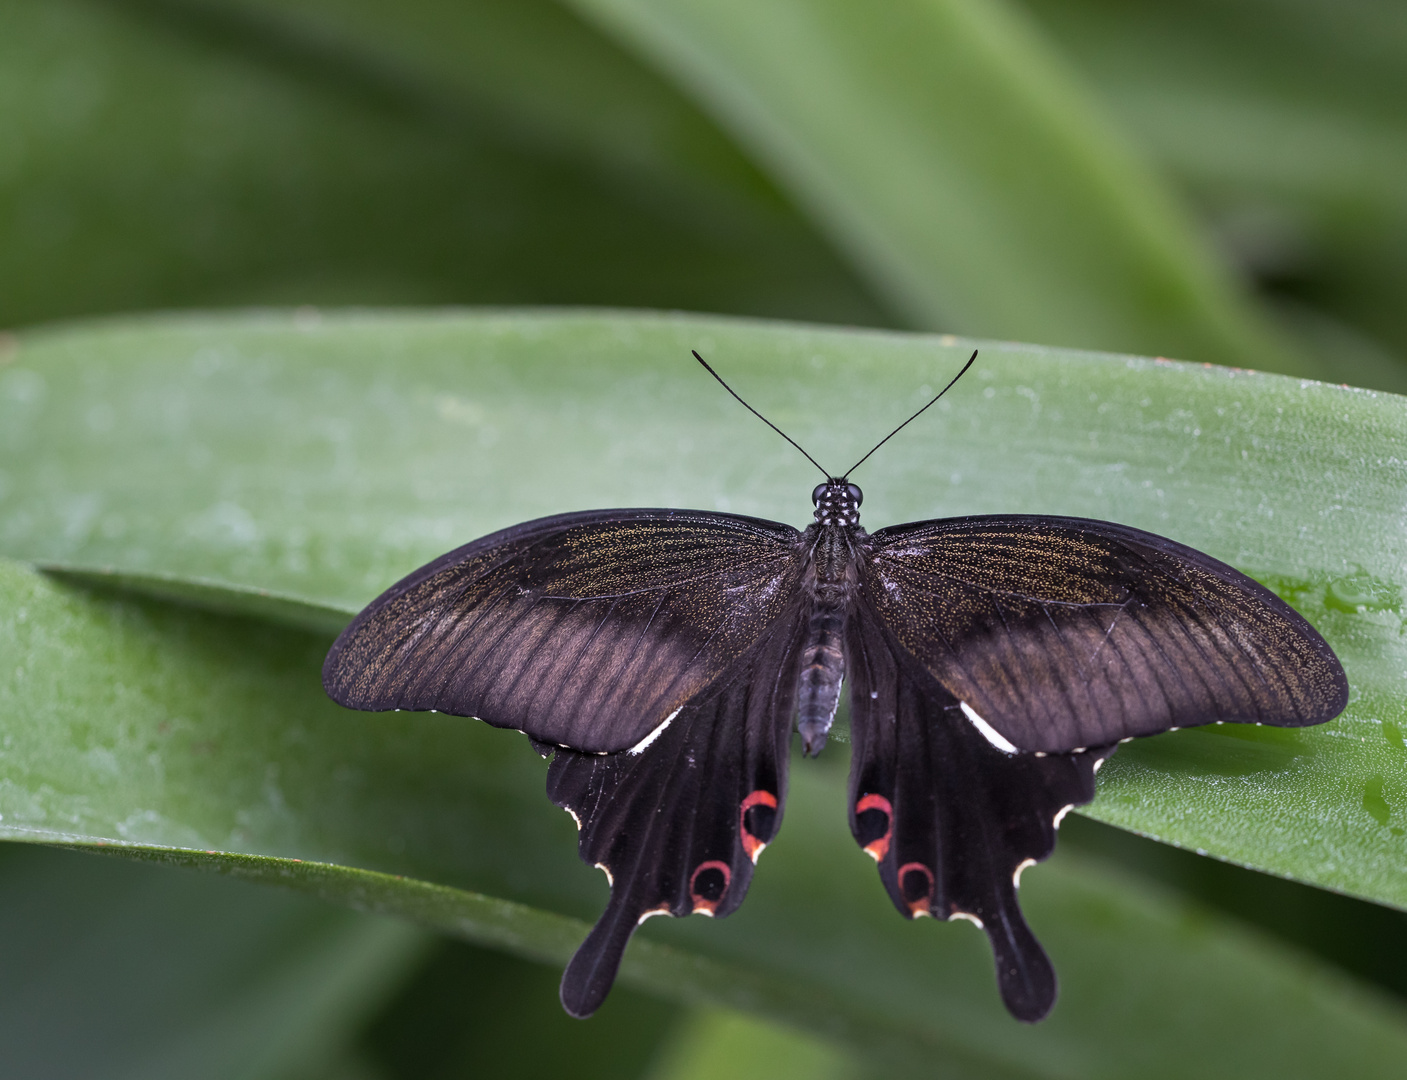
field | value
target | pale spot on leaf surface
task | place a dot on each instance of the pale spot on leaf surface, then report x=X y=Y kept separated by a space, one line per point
x=1373 y=800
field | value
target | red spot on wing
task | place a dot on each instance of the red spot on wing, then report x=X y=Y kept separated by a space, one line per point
x=879 y=848
x=753 y=845
x=709 y=884
x=916 y=887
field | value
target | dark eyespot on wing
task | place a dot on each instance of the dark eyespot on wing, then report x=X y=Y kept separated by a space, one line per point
x=584 y=630
x=678 y=826
x=950 y=819
x=1063 y=632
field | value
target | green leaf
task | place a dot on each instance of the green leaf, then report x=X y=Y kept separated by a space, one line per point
x=111 y=969
x=186 y=738
x=320 y=460
x=946 y=148
x=716 y=1043
x=541 y=73
x=1287 y=124
x=476 y=1011
x=164 y=153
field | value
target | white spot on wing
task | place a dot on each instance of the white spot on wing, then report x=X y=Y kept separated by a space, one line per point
x=605 y=870
x=661 y=910
x=973 y=919
x=1060 y=816
x=1098 y=762
x=991 y=734
x=575 y=819
x=1016 y=877
x=639 y=748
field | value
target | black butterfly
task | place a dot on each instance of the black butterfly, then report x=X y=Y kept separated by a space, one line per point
x=993 y=663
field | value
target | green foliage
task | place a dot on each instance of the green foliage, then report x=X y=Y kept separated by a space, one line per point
x=110 y=969
x=1286 y=124
x=273 y=459
x=1019 y=213
x=212 y=496
x=212 y=727
x=259 y=466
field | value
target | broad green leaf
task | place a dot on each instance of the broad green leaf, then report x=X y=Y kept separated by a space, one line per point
x=543 y=74
x=319 y=461
x=476 y=1011
x=181 y=737
x=1286 y=123
x=716 y=1043
x=180 y=154
x=114 y=970
x=946 y=148
x=1289 y=134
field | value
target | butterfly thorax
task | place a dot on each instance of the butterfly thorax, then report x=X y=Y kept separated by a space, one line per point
x=830 y=580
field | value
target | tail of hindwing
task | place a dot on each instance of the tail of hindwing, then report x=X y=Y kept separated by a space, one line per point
x=951 y=818
x=678 y=826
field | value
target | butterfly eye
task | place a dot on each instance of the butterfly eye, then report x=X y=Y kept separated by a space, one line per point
x=816 y=495
x=855 y=493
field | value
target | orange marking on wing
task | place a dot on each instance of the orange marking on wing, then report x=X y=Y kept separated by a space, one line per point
x=751 y=844
x=878 y=849
x=920 y=905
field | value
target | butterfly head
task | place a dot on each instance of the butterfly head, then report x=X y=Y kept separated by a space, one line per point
x=837 y=502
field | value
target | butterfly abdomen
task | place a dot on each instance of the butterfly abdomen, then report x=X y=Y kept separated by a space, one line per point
x=823 y=657
x=822 y=669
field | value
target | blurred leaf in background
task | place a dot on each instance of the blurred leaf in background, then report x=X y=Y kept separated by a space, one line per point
x=172 y=154
x=1220 y=182
x=1285 y=124
x=194 y=152
x=118 y=970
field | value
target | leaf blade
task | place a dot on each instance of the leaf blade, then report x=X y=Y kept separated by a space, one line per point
x=173 y=727
x=283 y=453
x=945 y=147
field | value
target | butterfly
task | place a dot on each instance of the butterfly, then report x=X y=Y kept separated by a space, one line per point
x=662 y=658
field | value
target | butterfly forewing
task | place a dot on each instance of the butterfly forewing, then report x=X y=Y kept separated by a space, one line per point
x=1064 y=633
x=679 y=825
x=584 y=630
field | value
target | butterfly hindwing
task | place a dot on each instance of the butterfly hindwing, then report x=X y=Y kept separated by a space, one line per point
x=678 y=826
x=1065 y=633
x=950 y=819
x=583 y=630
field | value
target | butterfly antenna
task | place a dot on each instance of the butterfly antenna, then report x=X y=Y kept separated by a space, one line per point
x=764 y=419
x=911 y=419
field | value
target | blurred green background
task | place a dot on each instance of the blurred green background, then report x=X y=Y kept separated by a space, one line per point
x=1215 y=181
